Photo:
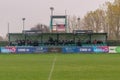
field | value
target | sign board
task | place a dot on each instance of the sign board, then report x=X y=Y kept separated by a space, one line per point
x=101 y=49
x=112 y=49
x=117 y=49
x=54 y=49
x=82 y=31
x=61 y=28
x=69 y=50
x=85 y=49
x=8 y=49
x=25 y=49
x=40 y=49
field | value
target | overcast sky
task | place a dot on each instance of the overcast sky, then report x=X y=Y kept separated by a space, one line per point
x=38 y=11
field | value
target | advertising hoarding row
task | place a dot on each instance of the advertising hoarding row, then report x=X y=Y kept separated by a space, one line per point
x=66 y=49
x=102 y=49
x=26 y=49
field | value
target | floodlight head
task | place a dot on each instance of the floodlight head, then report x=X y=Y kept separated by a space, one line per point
x=78 y=19
x=52 y=8
x=23 y=19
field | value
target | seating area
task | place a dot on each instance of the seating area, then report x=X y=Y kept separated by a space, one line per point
x=55 y=43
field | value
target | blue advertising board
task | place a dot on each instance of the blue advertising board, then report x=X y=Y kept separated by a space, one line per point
x=41 y=49
x=69 y=50
x=25 y=49
x=85 y=49
x=8 y=49
x=55 y=50
x=101 y=49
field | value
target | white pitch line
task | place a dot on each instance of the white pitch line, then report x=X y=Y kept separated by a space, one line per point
x=53 y=64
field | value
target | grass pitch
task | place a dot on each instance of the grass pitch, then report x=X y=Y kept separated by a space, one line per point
x=66 y=67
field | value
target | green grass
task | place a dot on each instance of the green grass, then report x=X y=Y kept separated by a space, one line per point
x=67 y=66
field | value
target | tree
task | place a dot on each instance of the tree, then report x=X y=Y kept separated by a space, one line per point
x=113 y=19
x=117 y=2
x=42 y=27
x=95 y=20
x=1 y=39
x=105 y=20
x=73 y=23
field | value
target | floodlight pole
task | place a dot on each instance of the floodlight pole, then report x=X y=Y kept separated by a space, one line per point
x=51 y=22
x=78 y=22
x=8 y=34
x=52 y=9
x=24 y=28
x=23 y=24
x=8 y=28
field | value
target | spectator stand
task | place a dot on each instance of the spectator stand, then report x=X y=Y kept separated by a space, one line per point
x=37 y=38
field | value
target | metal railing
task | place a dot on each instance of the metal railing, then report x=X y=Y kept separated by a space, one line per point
x=109 y=43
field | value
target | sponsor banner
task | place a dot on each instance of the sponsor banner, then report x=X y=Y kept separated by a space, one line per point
x=112 y=49
x=101 y=49
x=40 y=49
x=61 y=27
x=25 y=49
x=8 y=49
x=69 y=50
x=117 y=49
x=53 y=49
x=85 y=49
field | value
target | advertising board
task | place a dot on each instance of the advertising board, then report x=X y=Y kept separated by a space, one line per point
x=101 y=49
x=8 y=49
x=41 y=49
x=85 y=49
x=69 y=50
x=117 y=49
x=112 y=49
x=54 y=49
x=25 y=49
